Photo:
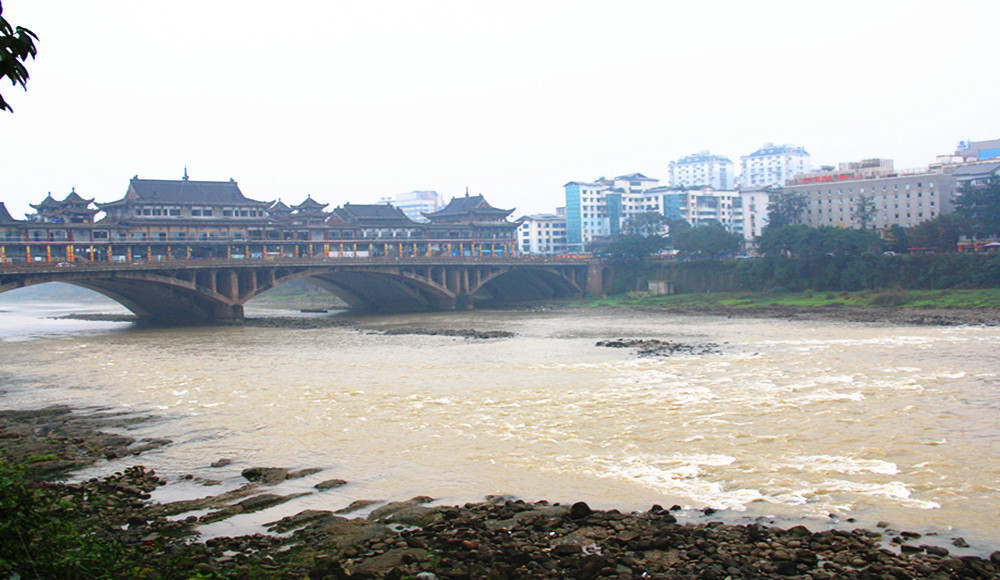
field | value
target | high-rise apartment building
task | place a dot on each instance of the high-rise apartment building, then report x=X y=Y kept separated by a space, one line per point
x=703 y=170
x=773 y=165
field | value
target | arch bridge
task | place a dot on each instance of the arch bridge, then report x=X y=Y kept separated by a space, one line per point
x=192 y=291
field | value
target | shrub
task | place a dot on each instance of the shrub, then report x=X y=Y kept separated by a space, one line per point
x=894 y=297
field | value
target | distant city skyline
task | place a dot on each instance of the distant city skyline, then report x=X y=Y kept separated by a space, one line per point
x=355 y=102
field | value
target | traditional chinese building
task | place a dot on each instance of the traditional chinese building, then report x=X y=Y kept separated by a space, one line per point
x=172 y=219
x=72 y=210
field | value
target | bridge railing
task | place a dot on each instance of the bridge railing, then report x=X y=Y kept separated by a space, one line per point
x=200 y=263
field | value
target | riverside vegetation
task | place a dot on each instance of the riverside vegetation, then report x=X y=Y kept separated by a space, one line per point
x=109 y=528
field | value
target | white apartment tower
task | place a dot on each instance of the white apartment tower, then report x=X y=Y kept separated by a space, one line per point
x=703 y=170
x=599 y=209
x=773 y=165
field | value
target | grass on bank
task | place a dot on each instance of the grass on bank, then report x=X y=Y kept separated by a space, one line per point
x=883 y=298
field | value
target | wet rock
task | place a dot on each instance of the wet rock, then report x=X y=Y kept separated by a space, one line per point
x=461 y=333
x=408 y=511
x=579 y=510
x=303 y=473
x=357 y=505
x=663 y=348
x=221 y=462
x=330 y=484
x=265 y=475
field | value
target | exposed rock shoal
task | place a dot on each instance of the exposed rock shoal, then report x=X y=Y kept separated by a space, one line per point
x=299 y=323
x=461 y=333
x=501 y=537
x=653 y=347
x=54 y=441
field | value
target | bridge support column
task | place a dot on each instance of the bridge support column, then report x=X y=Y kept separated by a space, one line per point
x=463 y=301
x=228 y=313
x=598 y=279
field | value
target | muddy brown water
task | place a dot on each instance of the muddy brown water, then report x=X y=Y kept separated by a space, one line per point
x=794 y=421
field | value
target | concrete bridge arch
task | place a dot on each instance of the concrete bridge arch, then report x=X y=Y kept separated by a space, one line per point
x=193 y=291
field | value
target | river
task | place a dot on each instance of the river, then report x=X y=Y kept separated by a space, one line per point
x=789 y=421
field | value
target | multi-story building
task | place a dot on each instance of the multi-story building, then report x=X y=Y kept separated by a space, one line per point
x=416 y=203
x=701 y=170
x=834 y=199
x=597 y=210
x=542 y=234
x=773 y=165
x=703 y=206
x=753 y=210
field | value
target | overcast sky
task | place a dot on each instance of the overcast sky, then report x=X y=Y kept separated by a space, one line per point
x=350 y=101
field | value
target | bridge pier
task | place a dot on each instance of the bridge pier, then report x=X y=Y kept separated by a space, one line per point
x=227 y=313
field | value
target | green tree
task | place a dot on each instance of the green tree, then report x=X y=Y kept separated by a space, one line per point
x=635 y=247
x=979 y=206
x=804 y=241
x=785 y=209
x=940 y=233
x=896 y=238
x=711 y=239
x=864 y=211
x=675 y=229
x=17 y=44
x=645 y=224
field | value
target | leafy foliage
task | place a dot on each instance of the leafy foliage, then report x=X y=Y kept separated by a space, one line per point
x=896 y=239
x=940 y=233
x=805 y=241
x=36 y=537
x=979 y=206
x=17 y=44
x=864 y=211
x=635 y=246
x=646 y=224
x=785 y=209
x=708 y=240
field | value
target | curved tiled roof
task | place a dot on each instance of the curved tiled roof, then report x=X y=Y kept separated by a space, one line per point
x=468 y=206
x=183 y=191
x=5 y=216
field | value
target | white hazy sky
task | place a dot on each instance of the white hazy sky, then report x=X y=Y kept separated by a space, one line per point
x=350 y=101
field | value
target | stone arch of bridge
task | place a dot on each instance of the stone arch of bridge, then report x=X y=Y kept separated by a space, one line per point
x=162 y=299
x=519 y=284
x=378 y=290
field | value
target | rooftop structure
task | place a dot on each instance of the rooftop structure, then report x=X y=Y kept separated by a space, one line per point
x=468 y=210
x=71 y=210
x=158 y=199
x=978 y=150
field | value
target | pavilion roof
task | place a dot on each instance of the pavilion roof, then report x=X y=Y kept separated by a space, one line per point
x=473 y=208
x=310 y=204
x=381 y=214
x=183 y=191
x=5 y=216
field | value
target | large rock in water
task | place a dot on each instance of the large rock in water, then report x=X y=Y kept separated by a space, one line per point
x=265 y=475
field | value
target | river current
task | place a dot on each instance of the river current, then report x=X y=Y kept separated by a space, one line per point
x=790 y=421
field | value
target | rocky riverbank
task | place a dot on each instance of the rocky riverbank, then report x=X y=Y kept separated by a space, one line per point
x=501 y=537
